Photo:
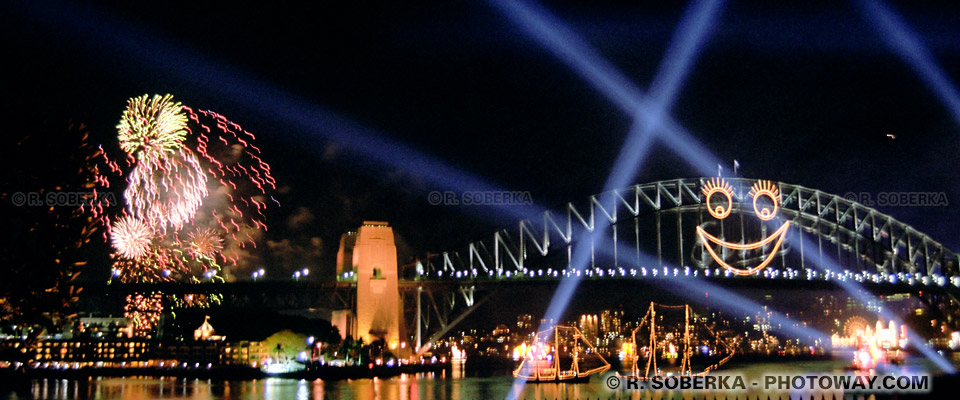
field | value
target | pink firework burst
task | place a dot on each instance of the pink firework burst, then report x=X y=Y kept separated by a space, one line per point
x=205 y=243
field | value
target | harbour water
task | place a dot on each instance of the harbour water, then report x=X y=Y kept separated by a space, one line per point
x=456 y=383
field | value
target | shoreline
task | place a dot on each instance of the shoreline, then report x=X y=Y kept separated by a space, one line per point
x=10 y=377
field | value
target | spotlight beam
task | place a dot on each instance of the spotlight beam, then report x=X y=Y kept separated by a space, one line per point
x=157 y=54
x=678 y=61
x=730 y=301
x=675 y=137
x=696 y=23
x=857 y=291
x=647 y=113
x=680 y=54
x=693 y=289
x=907 y=44
x=595 y=70
x=572 y=51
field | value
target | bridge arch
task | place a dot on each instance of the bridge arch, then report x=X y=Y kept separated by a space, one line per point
x=850 y=239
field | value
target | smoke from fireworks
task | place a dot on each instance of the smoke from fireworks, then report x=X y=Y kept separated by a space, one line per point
x=131 y=238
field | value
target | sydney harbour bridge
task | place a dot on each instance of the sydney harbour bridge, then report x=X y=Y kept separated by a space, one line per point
x=686 y=234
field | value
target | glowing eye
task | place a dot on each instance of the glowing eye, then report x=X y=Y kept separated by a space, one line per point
x=765 y=188
x=720 y=188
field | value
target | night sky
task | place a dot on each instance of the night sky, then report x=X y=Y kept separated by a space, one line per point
x=805 y=95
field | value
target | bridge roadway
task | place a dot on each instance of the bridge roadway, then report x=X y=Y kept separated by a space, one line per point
x=291 y=294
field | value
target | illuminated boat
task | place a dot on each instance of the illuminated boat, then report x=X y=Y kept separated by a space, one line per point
x=558 y=355
x=285 y=367
x=870 y=357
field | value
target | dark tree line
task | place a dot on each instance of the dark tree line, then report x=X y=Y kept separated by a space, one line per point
x=46 y=169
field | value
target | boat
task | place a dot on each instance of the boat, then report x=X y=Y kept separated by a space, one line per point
x=869 y=357
x=671 y=350
x=557 y=355
x=282 y=368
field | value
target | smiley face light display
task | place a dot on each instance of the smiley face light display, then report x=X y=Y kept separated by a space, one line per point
x=719 y=191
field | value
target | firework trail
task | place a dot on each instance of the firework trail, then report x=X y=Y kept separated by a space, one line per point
x=237 y=165
x=166 y=190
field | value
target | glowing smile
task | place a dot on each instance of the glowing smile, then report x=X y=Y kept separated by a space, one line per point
x=776 y=236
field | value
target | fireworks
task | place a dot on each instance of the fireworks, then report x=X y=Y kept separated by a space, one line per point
x=131 y=238
x=143 y=312
x=162 y=263
x=196 y=300
x=166 y=191
x=152 y=127
x=237 y=165
x=195 y=185
x=205 y=243
x=195 y=193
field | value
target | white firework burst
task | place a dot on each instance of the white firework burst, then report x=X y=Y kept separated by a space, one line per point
x=166 y=191
x=131 y=237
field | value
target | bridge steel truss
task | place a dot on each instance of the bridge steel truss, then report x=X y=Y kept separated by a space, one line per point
x=646 y=227
x=435 y=307
x=858 y=238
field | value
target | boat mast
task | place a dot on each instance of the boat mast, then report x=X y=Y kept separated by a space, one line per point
x=685 y=364
x=556 y=351
x=653 y=341
x=575 y=367
x=536 y=357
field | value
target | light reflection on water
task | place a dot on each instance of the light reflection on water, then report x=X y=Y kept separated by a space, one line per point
x=451 y=384
x=405 y=387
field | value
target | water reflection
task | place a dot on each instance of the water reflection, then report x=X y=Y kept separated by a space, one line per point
x=455 y=383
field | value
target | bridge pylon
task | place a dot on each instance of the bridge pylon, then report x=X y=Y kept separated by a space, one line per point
x=372 y=256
